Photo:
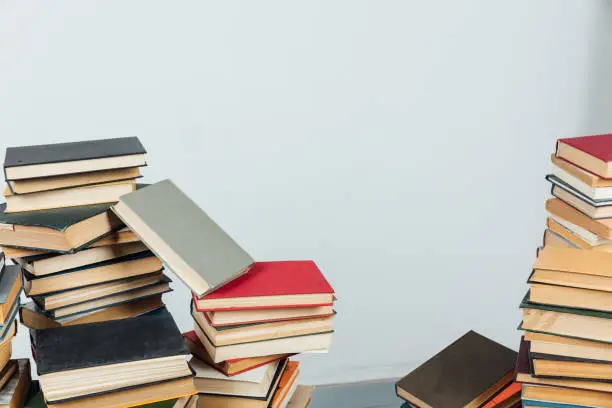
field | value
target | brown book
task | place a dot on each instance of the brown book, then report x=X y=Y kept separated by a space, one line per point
x=15 y=392
x=558 y=208
x=465 y=374
x=134 y=396
x=588 y=178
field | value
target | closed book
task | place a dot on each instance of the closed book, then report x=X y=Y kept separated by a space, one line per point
x=595 y=209
x=559 y=209
x=582 y=180
x=28 y=162
x=193 y=246
x=572 y=368
x=10 y=288
x=58 y=230
x=579 y=236
x=465 y=374
x=266 y=285
x=565 y=346
x=15 y=392
x=591 y=153
x=570 y=297
x=541 y=396
x=302 y=397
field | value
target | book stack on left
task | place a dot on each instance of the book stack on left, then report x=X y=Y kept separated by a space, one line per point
x=249 y=317
x=566 y=353
x=101 y=336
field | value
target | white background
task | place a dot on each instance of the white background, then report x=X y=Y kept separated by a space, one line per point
x=400 y=144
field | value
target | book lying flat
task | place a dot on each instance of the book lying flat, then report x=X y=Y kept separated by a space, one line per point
x=579 y=236
x=595 y=209
x=143 y=263
x=34 y=317
x=465 y=374
x=129 y=352
x=564 y=211
x=39 y=185
x=541 y=396
x=574 y=260
x=565 y=346
x=28 y=162
x=523 y=375
x=228 y=367
x=588 y=183
x=271 y=285
x=591 y=153
x=564 y=367
x=193 y=246
x=57 y=230
x=239 y=317
x=568 y=322
x=570 y=297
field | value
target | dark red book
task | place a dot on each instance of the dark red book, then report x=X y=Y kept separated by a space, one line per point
x=591 y=153
x=268 y=285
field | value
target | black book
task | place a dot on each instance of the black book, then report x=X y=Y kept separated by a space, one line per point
x=29 y=162
x=465 y=374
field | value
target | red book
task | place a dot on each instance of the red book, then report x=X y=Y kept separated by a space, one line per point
x=280 y=284
x=591 y=153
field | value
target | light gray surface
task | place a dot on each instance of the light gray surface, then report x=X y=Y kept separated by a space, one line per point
x=188 y=231
x=400 y=144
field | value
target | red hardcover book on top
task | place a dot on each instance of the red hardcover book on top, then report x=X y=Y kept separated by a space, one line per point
x=280 y=284
x=591 y=153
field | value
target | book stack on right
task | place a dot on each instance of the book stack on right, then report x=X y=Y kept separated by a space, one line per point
x=565 y=357
x=249 y=317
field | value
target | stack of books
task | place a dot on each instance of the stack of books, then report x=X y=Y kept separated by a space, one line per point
x=472 y=372
x=566 y=353
x=80 y=264
x=249 y=317
x=101 y=336
x=14 y=374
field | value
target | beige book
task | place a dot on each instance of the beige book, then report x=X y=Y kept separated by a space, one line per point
x=558 y=208
x=302 y=397
x=571 y=279
x=570 y=297
x=567 y=396
x=567 y=324
x=589 y=178
x=576 y=236
x=574 y=260
x=554 y=239
x=565 y=346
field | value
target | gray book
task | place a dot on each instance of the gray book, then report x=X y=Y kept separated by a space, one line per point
x=183 y=236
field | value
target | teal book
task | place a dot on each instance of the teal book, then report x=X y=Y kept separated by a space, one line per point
x=547 y=404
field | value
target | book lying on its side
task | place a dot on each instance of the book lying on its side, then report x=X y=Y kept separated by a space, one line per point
x=591 y=153
x=561 y=210
x=587 y=183
x=565 y=346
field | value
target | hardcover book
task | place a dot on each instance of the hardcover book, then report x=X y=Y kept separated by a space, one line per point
x=465 y=374
x=591 y=153
x=566 y=212
x=183 y=236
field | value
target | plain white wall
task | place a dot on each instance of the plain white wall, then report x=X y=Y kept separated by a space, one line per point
x=400 y=144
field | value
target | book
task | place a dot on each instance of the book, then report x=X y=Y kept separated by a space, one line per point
x=68 y=181
x=14 y=393
x=86 y=294
x=559 y=209
x=229 y=367
x=239 y=317
x=134 y=265
x=574 y=261
x=34 y=317
x=565 y=346
x=271 y=285
x=587 y=183
x=571 y=279
x=152 y=395
x=29 y=162
x=9 y=369
x=465 y=374
x=193 y=246
x=508 y=397
x=523 y=375
x=302 y=397
x=46 y=264
x=564 y=367
x=596 y=209
x=74 y=197
x=121 y=237
x=287 y=345
x=579 y=236
x=2 y=261
x=225 y=401
x=567 y=322
x=129 y=352
x=10 y=288
x=542 y=396
x=286 y=386
x=570 y=297
x=57 y=230
x=227 y=335
x=254 y=383
x=553 y=239
x=591 y=153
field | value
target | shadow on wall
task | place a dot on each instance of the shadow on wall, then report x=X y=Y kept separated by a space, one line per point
x=598 y=115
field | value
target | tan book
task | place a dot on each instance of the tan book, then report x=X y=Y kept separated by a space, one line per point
x=74 y=197
x=135 y=396
x=140 y=265
x=558 y=208
x=567 y=396
x=565 y=346
x=553 y=239
x=579 y=236
x=36 y=185
x=570 y=297
x=584 y=176
x=574 y=260
x=302 y=397
x=598 y=211
x=571 y=279
x=15 y=392
x=236 y=317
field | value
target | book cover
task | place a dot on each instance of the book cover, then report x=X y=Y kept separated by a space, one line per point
x=460 y=373
x=72 y=151
x=58 y=219
x=153 y=335
x=8 y=277
x=526 y=304
x=179 y=232
x=598 y=146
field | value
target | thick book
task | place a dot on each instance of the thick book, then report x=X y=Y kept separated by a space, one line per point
x=523 y=375
x=591 y=153
x=58 y=230
x=560 y=209
x=591 y=299
x=578 y=236
x=571 y=368
x=273 y=285
x=587 y=183
x=465 y=374
x=565 y=346
x=542 y=396
x=28 y=162
x=15 y=392
x=10 y=288
x=193 y=246
x=596 y=209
